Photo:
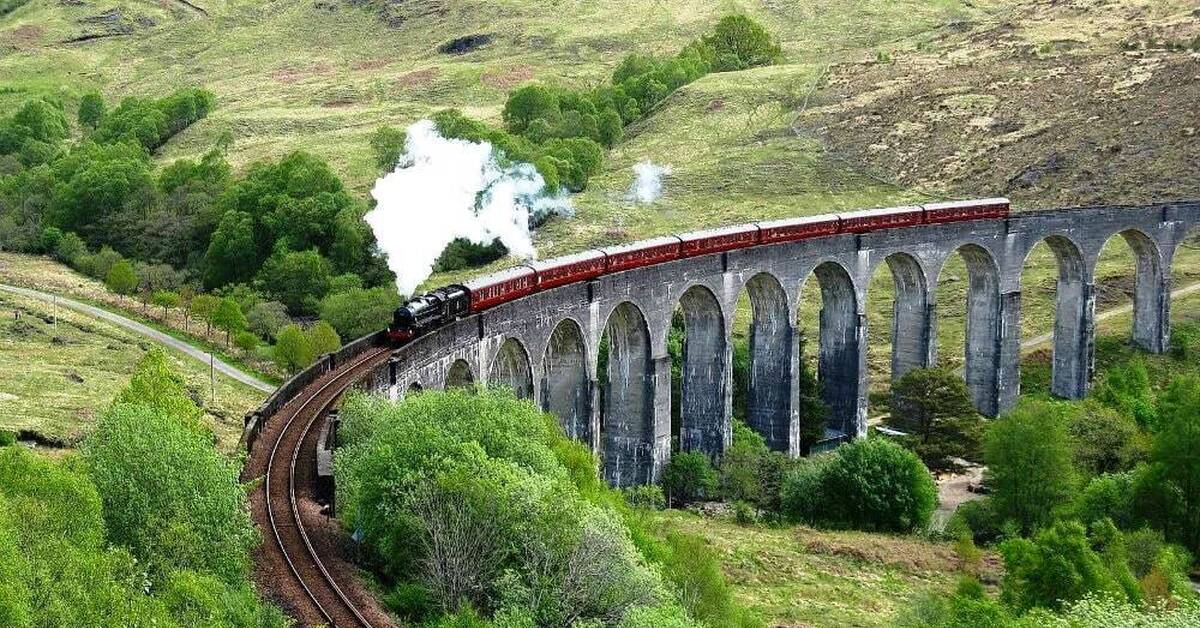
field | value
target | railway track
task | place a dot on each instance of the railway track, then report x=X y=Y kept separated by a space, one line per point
x=311 y=589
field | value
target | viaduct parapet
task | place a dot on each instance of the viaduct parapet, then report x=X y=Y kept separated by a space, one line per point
x=545 y=346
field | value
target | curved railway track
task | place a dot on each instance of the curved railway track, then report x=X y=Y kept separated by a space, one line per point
x=312 y=592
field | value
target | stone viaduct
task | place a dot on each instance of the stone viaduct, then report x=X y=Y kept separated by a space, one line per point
x=546 y=345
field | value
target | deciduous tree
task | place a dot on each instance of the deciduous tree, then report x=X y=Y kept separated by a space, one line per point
x=121 y=278
x=1029 y=470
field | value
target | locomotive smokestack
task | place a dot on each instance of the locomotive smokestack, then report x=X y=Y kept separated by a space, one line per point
x=445 y=189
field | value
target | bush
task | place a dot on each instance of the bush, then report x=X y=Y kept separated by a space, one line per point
x=267 y=318
x=870 y=484
x=694 y=569
x=744 y=514
x=323 y=339
x=465 y=495
x=802 y=493
x=1185 y=342
x=689 y=477
x=646 y=497
x=1168 y=492
x=1127 y=389
x=387 y=145
x=1109 y=496
x=1104 y=440
x=69 y=248
x=1056 y=567
x=7 y=438
x=969 y=606
x=750 y=472
x=246 y=341
x=980 y=518
x=293 y=351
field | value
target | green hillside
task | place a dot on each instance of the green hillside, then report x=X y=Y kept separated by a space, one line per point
x=876 y=102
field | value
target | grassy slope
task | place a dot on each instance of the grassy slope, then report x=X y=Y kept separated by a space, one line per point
x=56 y=382
x=799 y=576
x=42 y=273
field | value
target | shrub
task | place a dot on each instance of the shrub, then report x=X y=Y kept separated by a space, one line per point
x=1109 y=496
x=744 y=514
x=689 y=477
x=387 y=145
x=465 y=494
x=168 y=495
x=1029 y=469
x=700 y=585
x=1057 y=566
x=1169 y=490
x=323 y=339
x=1185 y=342
x=7 y=438
x=646 y=497
x=1127 y=389
x=246 y=341
x=870 y=484
x=750 y=472
x=1104 y=440
x=802 y=493
x=980 y=518
x=121 y=278
x=69 y=248
x=968 y=606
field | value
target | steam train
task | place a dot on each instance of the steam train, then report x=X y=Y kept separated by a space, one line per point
x=426 y=312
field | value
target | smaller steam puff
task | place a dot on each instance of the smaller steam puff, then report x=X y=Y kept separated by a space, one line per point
x=648 y=185
x=445 y=189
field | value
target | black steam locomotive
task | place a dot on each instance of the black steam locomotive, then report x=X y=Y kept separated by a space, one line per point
x=423 y=313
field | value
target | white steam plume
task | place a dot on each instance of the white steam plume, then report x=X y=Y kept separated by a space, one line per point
x=648 y=186
x=449 y=188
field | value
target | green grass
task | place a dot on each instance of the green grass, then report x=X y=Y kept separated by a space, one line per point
x=56 y=382
x=798 y=576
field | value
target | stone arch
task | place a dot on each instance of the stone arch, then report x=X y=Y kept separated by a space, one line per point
x=911 y=320
x=982 y=329
x=459 y=375
x=627 y=421
x=839 y=360
x=768 y=394
x=703 y=400
x=511 y=368
x=1073 y=303
x=414 y=388
x=1151 y=296
x=567 y=392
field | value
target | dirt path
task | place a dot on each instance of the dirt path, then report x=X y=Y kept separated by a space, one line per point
x=1042 y=339
x=147 y=331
